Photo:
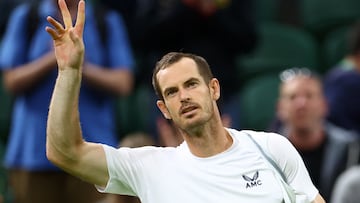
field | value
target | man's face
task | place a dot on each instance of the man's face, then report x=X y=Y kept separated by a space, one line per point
x=188 y=100
x=302 y=103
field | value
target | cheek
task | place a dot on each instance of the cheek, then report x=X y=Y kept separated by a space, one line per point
x=284 y=109
x=172 y=108
x=208 y=104
x=321 y=110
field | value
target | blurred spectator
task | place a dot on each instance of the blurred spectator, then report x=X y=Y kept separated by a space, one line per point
x=326 y=149
x=342 y=86
x=6 y=7
x=29 y=68
x=220 y=31
x=347 y=187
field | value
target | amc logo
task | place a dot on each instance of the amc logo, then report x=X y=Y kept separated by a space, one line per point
x=252 y=182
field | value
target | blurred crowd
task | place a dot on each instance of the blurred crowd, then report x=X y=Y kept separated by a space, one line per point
x=291 y=67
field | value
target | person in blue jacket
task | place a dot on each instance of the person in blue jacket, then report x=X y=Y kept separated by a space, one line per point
x=29 y=69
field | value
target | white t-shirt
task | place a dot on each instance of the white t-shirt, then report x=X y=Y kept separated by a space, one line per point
x=239 y=174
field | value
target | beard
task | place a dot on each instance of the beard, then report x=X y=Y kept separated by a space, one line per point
x=193 y=117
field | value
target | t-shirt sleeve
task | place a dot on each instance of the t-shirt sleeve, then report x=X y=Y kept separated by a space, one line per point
x=130 y=169
x=119 y=182
x=291 y=163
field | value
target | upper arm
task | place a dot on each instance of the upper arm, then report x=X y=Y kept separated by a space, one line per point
x=90 y=164
x=291 y=163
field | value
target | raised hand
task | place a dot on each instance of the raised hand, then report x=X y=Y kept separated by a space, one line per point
x=68 y=40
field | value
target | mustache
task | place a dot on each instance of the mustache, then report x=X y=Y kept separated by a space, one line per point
x=187 y=106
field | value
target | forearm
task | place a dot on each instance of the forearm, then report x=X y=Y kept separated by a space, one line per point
x=115 y=81
x=24 y=77
x=63 y=127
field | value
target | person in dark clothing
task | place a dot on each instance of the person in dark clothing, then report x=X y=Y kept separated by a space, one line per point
x=327 y=150
x=342 y=84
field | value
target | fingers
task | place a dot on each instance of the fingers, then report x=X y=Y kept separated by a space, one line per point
x=65 y=14
x=52 y=32
x=58 y=26
x=80 y=19
x=58 y=29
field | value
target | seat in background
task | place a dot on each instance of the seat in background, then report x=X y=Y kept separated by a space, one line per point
x=321 y=16
x=258 y=101
x=334 y=47
x=266 y=10
x=280 y=47
x=133 y=111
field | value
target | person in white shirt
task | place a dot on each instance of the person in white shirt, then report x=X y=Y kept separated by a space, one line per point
x=213 y=164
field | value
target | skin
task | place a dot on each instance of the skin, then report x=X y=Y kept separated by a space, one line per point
x=188 y=100
x=302 y=108
x=65 y=146
x=191 y=104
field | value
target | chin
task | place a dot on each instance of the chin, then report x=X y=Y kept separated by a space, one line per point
x=193 y=123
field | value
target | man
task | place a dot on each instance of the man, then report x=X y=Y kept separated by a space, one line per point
x=213 y=164
x=327 y=150
x=342 y=83
x=207 y=28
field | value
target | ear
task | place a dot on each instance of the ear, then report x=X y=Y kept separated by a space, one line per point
x=161 y=105
x=214 y=88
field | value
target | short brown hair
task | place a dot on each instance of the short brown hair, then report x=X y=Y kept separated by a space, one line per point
x=173 y=57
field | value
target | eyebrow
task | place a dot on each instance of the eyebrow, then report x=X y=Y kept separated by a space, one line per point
x=192 y=79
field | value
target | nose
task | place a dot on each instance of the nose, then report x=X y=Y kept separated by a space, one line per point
x=301 y=101
x=184 y=95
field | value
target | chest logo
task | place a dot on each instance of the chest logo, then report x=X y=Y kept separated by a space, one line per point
x=252 y=182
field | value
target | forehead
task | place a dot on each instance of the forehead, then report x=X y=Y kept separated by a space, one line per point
x=301 y=84
x=178 y=72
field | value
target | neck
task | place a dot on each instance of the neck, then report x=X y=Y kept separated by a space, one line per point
x=208 y=140
x=305 y=139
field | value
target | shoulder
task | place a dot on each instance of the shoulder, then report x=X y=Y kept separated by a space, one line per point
x=340 y=134
x=340 y=76
x=138 y=153
x=273 y=143
x=266 y=138
x=278 y=147
x=104 y=12
x=20 y=11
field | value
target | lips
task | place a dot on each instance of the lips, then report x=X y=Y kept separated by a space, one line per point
x=187 y=108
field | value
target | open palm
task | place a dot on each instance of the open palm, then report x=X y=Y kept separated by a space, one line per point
x=68 y=40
